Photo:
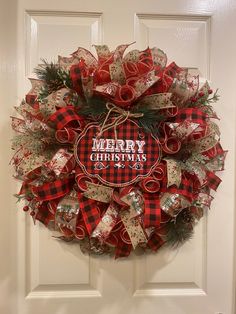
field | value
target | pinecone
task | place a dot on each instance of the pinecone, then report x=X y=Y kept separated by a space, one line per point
x=186 y=216
x=54 y=85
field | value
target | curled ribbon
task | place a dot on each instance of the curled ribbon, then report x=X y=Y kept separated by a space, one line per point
x=169 y=143
x=82 y=180
x=125 y=95
x=66 y=135
x=150 y=185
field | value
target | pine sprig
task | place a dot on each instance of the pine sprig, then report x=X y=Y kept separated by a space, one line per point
x=93 y=108
x=31 y=141
x=53 y=76
x=19 y=197
x=206 y=106
x=38 y=142
x=150 y=120
x=48 y=72
x=43 y=93
x=214 y=98
x=203 y=101
x=180 y=230
x=65 y=78
x=23 y=197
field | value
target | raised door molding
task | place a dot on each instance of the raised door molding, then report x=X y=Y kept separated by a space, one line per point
x=53 y=33
x=185 y=38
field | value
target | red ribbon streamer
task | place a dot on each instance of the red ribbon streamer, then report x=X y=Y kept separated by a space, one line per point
x=155 y=242
x=65 y=116
x=213 y=181
x=152 y=213
x=53 y=190
x=195 y=115
x=185 y=189
x=90 y=212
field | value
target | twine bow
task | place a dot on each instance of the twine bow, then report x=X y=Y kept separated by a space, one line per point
x=122 y=116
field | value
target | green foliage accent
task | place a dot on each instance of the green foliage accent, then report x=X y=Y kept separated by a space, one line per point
x=19 y=197
x=180 y=230
x=43 y=93
x=22 y=197
x=214 y=98
x=193 y=161
x=65 y=78
x=53 y=76
x=93 y=108
x=199 y=158
x=205 y=103
x=31 y=141
x=66 y=207
x=208 y=109
x=39 y=142
x=150 y=119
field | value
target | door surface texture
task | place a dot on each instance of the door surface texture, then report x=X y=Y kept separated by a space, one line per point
x=40 y=275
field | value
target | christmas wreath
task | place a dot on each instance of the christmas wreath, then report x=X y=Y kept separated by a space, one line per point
x=117 y=152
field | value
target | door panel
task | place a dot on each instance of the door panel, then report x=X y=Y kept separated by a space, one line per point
x=55 y=277
x=185 y=38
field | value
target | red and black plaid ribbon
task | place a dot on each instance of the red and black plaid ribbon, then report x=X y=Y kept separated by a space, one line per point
x=63 y=117
x=123 y=249
x=185 y=189
x=172 y=69
x=53 y=190
x=195 y=115
x=75 y=74
x=90 y=212
x=152 y=214
x=213 y=181
x=43 y=214
x=155 y=242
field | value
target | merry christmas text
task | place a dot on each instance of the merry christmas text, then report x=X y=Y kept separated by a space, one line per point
x=117 y=150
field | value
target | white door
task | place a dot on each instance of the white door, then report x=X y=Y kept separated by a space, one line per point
x=42 y=275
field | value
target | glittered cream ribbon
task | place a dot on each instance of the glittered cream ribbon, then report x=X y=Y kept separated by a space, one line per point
x=107 y=223
x=206 y=142
x=134 y=229
x=172 y=204
x=98 y=193
x=173 y=172
x=129 y=217
x=67 y=212
x=157 y=101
